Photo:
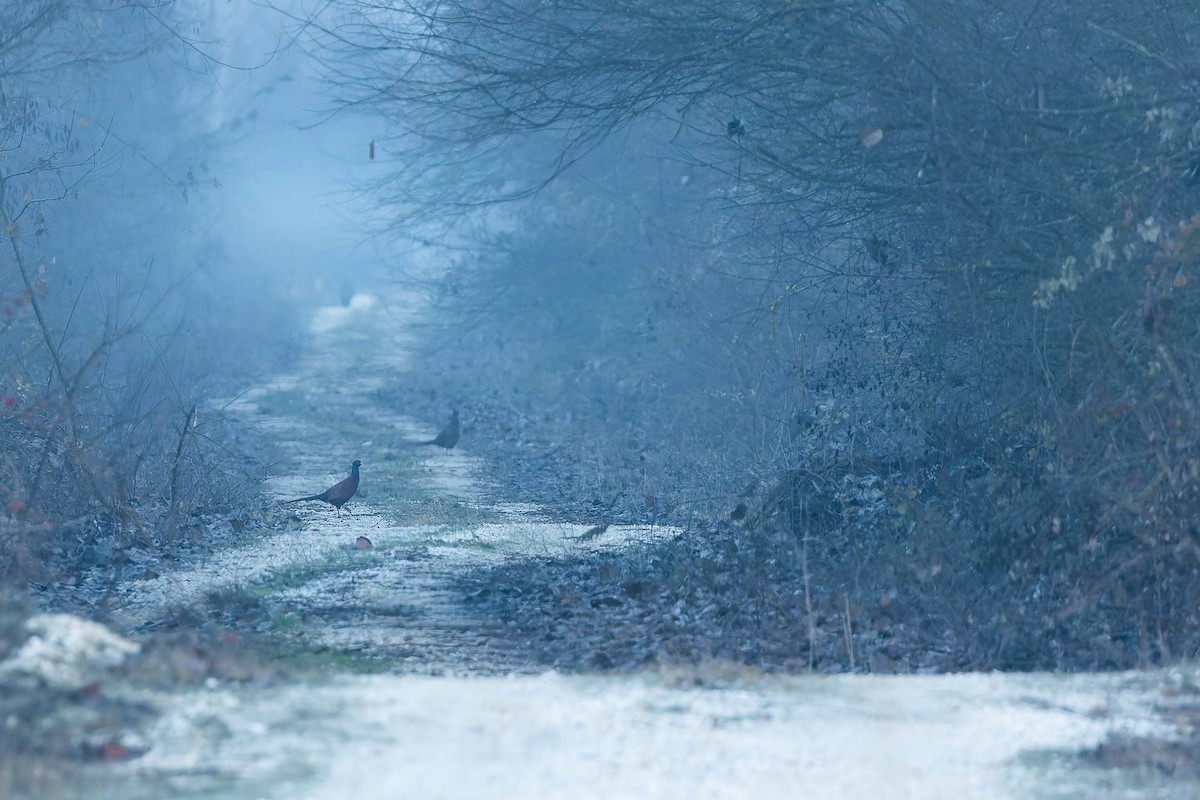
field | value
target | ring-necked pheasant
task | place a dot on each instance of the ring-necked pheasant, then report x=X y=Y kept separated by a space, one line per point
x=338 y=494
x=448 y=436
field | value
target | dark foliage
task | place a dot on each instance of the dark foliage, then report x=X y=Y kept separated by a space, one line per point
x=110 y=336
x=928 y=267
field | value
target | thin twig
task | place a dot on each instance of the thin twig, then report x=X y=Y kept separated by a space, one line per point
x=189 y=423
x=808 y=608
x=849 y=633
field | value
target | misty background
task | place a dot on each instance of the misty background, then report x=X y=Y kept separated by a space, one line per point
x=890 y=305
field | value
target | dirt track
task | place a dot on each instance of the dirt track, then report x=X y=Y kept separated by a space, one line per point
x=456 y=714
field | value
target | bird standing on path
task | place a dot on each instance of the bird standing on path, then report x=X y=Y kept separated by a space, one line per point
x=448 y=436
x=338 y=494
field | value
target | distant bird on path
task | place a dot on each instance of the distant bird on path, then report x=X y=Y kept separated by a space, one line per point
x=338 y=494
x=448 y=437
x=590 y=533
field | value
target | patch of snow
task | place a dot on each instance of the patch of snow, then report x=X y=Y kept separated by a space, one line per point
x=329 y=317
x=65 y=652
x=554 y=736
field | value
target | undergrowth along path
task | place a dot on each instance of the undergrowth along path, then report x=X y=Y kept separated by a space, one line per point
x=428 y=513
x=476 y=729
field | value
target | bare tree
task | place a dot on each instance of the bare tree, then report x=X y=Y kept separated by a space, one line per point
x=99 y=246
x=988 y=209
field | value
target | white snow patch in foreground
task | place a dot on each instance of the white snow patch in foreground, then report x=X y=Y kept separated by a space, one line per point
x=65 y=652
x=549 y=736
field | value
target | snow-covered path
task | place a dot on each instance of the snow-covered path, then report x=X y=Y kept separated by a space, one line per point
x=456 y=720
x=653 y=736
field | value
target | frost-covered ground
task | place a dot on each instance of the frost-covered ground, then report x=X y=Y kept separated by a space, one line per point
x=456 y=717
x=654 y=736
x=422 y=509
